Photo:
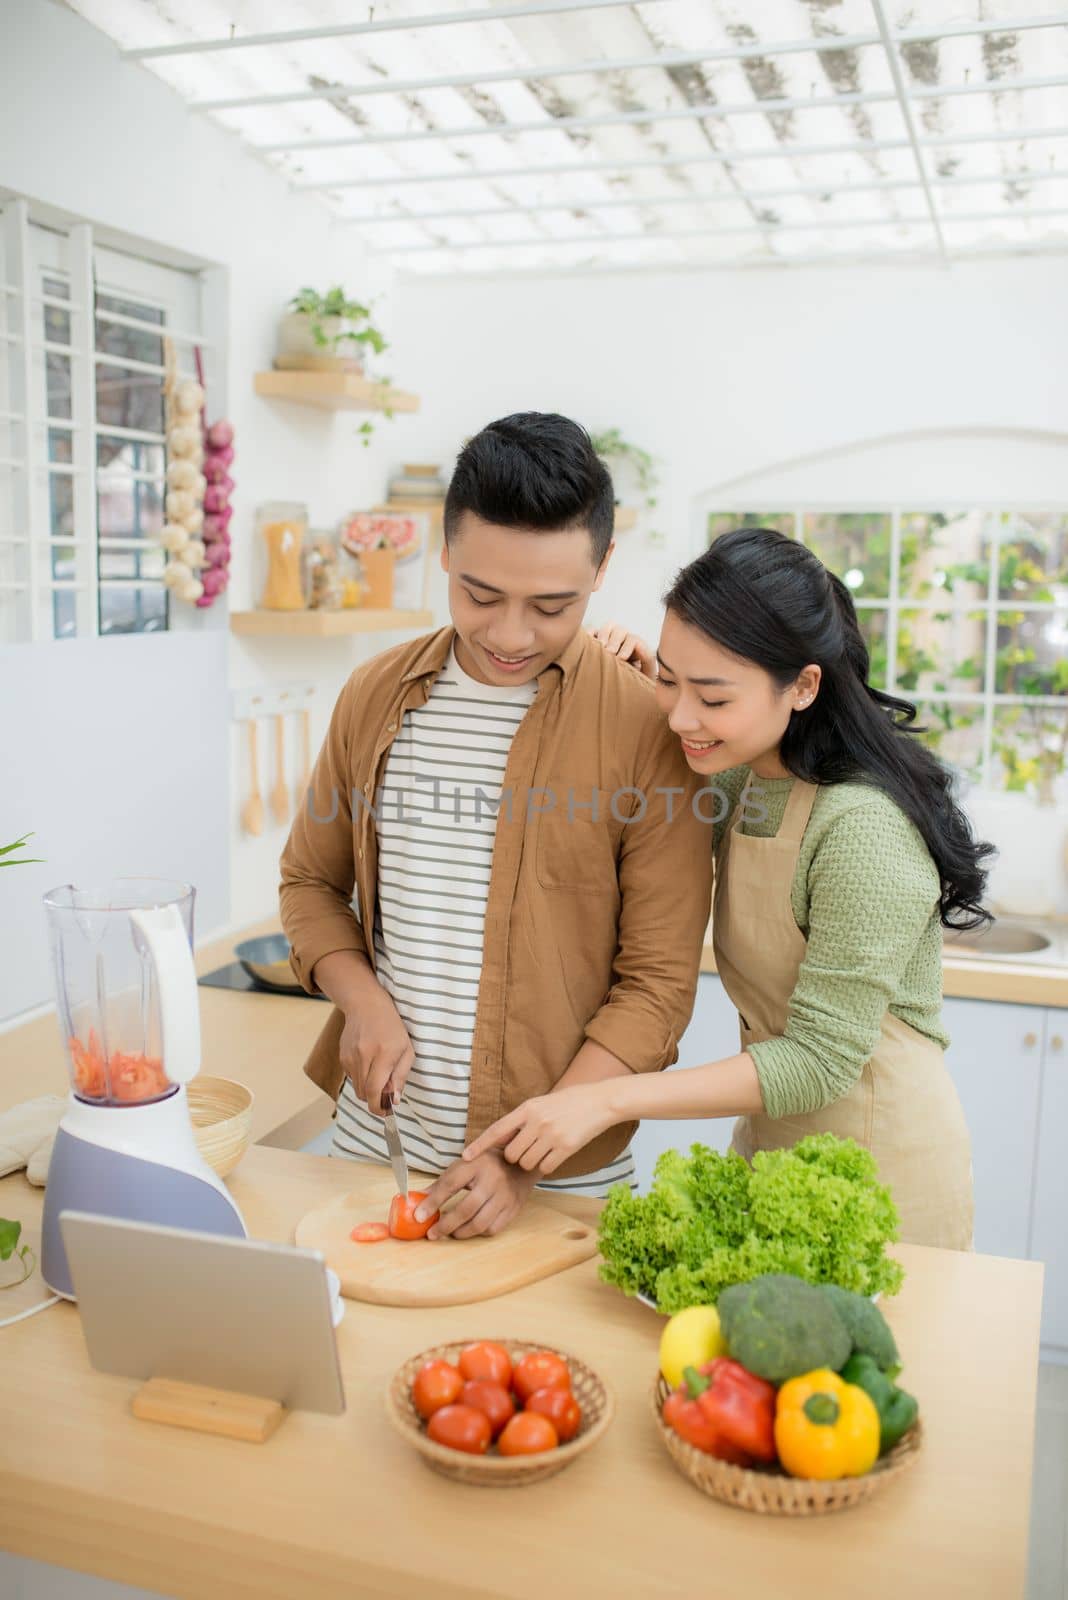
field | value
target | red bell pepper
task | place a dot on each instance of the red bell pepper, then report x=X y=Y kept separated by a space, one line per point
x=684 y=1411
x=740 y=1407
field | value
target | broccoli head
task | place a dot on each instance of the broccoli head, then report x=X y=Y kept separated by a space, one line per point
x=778 y=1326
x=867 y=1326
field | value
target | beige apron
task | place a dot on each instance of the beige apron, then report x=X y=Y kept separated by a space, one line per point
x=904 y=1107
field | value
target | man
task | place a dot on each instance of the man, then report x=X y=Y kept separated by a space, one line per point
x=532 y=875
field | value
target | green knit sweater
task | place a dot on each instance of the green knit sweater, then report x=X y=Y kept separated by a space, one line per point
x=865 y=895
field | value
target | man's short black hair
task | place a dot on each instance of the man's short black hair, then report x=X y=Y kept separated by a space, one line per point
x=535 y=470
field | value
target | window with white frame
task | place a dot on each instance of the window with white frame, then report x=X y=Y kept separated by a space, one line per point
x=82 y=447
x=965 y=612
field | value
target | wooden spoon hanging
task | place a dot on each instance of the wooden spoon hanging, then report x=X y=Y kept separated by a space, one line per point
x=280 y=792
x=252 y=810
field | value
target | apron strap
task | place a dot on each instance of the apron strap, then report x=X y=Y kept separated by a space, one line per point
x=798 y=810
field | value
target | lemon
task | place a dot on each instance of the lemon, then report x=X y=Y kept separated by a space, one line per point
x=691 y=1338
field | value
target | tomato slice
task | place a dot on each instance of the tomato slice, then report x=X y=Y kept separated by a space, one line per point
x=369 y=1232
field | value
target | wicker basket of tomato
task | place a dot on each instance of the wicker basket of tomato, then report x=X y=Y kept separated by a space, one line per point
x=499 y=1412
x=782 y=1399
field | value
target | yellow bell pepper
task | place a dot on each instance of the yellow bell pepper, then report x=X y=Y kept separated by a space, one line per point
x=825 y=1428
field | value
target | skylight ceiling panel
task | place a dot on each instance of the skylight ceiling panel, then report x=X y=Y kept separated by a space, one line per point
x=1009 y=195
x=901 y=239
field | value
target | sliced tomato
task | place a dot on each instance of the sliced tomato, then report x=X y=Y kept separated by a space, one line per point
x=369 y=1233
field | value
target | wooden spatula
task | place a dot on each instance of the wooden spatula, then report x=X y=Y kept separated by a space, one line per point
x=280 y=793
x=252 y=810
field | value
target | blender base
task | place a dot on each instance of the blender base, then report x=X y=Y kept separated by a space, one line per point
x=85 y=1176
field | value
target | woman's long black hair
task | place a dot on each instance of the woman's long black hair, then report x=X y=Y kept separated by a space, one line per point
x=769 y=600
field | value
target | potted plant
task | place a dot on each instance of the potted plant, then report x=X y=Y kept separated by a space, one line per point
x=612 y=447
x=326 y=332
x=10 y=1231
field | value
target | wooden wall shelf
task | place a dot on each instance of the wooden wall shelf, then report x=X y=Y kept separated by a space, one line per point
x=325 y=624
x=334 y=391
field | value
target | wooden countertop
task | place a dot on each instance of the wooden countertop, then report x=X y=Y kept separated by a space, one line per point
x=338 y=1507
x=1028 y=982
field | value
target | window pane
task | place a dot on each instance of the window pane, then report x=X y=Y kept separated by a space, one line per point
x=720 y=522
x=945 y=551
x=129 y=610
x=129 y=399
x=855 y=546
x=1032 y=651
x=115 y=340
x=1030 y=750
x=955 y=733
x=941 y=651
x=128 y=509
x=125 y=456
x=1034 y=556
x=57 y=385
x=131 y=564
x=60 y=445
x=65 y=614
x=873 y=627
x=60 y=506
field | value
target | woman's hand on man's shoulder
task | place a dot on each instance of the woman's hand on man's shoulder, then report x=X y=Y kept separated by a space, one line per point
x=629 y=647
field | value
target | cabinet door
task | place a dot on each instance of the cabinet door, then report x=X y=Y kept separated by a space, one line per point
x=1049 y=1236
x=995 y=1058
x=712 y=1034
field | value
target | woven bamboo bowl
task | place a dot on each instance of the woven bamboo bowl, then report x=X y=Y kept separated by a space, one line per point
x=221 y=1113
x=493 y=1471
x=772 y=1492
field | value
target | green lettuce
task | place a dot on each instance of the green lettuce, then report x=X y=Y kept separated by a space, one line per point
x=817 y=1211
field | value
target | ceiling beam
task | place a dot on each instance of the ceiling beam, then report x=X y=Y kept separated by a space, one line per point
x=349 y=30
x=837 y=226
x=894 y=62
x=639 y=202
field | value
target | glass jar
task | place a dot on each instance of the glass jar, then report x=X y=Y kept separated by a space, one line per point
x=324 y=584
x=281 y=527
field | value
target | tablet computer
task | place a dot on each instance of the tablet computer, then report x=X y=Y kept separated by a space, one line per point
x=242 y=1314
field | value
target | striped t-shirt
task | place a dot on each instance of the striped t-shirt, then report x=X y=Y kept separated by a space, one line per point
x=437 y=816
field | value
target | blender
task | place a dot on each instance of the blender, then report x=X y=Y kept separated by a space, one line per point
x=129 y=1019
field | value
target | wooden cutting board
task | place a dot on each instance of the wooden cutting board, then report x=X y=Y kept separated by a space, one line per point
x=445 y=1272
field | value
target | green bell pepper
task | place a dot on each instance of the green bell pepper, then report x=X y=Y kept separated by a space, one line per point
x=897 y=1409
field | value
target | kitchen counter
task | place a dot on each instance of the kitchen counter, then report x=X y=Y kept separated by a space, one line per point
x=1036 y=980
x=338 y=1507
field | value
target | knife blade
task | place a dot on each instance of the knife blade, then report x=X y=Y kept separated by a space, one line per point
x=397 y=1159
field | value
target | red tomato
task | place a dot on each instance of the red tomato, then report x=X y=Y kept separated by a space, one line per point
x=402 y=1223
x=491 y=1398
x=527 y=1434
x=561 y=1408
x=437 y=1384
x=369 y=1232
x=539 y=1370
x=461 y=1428
x=486 y=1360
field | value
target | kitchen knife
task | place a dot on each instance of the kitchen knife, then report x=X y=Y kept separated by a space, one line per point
x=396 y=1150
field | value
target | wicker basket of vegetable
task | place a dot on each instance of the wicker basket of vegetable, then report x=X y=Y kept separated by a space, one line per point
x=796 y=1413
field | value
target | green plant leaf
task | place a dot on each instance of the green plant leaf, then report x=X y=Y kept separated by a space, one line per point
x=9 y=1237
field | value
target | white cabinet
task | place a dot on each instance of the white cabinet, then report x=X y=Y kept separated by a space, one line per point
x=712 y=1034
x=995 y=1058
x=1049 y=1235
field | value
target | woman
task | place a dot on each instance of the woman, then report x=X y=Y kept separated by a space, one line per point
x=840 y=854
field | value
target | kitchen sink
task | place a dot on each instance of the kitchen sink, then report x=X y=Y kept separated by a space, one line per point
x=1003 y=939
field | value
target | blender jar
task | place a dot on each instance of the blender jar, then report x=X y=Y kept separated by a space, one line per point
x=111 y=1000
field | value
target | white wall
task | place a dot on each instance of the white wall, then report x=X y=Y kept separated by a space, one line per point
x=879 y=383
x=85 y=133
